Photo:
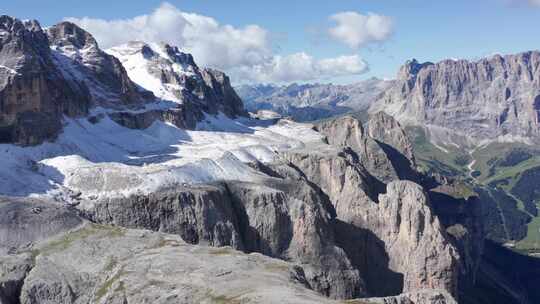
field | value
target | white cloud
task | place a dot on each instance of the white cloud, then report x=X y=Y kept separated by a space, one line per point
x=303 y=67
x=357 y=30
x=220 y=46
x=246 y=52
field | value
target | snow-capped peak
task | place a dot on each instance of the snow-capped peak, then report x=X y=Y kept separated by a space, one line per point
x=159 y=68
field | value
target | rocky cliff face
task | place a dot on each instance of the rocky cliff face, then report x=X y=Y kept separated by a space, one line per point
x=78 y=55
x=492 y=97
x=34 y=94
x=103 y=264
x=45 y=74
x=387 y=131
x=406 y=248
x=279 y=218
x=383 y=149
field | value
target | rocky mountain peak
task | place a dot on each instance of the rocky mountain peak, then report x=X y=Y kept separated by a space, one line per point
x=174 y=53
x=411 y=68
x=67 y=33
x=19 y=38
x=10 y=24
x=385 y=129
x=78 y=55
x=34 y=93
x=173 y=75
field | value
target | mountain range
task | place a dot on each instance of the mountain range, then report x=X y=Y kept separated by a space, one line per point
x=132 y=175
x=307 y=102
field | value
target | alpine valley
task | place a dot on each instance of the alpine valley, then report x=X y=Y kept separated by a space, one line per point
x=132 y=175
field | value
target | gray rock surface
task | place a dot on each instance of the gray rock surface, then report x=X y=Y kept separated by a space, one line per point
x=34 y=94
x=99 y=264
x=385 y=129
x=484 y=99
x=78 y=55
x=413 y=250
x=278 y=218
x=105 y=264
x=24 y=222
x=13 y=271
x=348 y=132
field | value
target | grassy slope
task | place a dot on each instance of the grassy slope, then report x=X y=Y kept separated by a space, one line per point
x=487 y=160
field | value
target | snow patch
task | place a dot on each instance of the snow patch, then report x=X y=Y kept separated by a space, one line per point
x=106 y=159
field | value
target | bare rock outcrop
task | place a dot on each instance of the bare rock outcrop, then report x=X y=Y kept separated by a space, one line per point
x=78 y=55
x=13 y=271
x=418 y=240
x=385 y=129
x=399 y=227
x=492 y=97
x=34 y=94
x=24 y=222
x=289 y=220
x=348 y=131
x=280 y=218
x=219 y=95
x=103 y=264
x=85 y=262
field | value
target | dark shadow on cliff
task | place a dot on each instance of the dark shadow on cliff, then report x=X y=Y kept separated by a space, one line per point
x=400 y=162
x=252 y=239
x=367 y=254
x=505 y=277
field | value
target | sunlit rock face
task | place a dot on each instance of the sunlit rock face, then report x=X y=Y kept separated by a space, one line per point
x=492 y=97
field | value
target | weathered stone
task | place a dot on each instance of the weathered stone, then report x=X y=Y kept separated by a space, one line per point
x=76 y=49
x=484 y=99
x=33 y=91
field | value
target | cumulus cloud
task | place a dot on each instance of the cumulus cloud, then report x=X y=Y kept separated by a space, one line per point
x=357 y=30
x=247 y=53
x=220 y=46
x=303 y=67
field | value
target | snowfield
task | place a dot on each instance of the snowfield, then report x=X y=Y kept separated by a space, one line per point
x=106 y=159
x=103 y=158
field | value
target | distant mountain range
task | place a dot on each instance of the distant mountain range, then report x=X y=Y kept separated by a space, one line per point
x=305 y=102
x=492 y=98
x=496 y=98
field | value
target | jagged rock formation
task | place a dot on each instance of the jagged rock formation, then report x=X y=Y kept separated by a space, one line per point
x=282 y=219
x=34 y=94
x=386 y=130
x=312 y=101
x=174 y=76
x=381 y=159
x=406 y=247
x=103 y=264
x=79 y=57
x=45 y=74
x=485 y=99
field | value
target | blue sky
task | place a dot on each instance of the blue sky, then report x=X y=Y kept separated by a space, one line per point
x=426 y=30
